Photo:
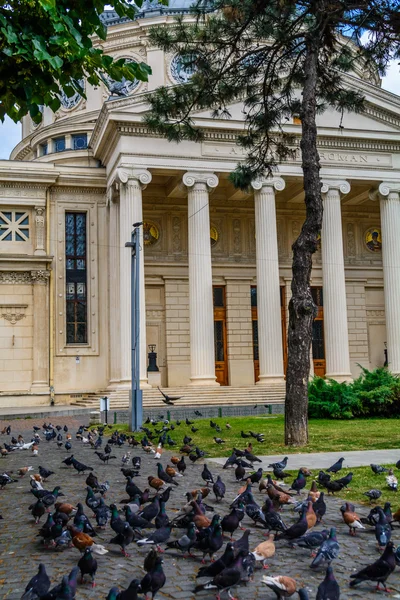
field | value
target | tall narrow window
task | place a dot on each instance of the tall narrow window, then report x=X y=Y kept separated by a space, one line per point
x=76 y=285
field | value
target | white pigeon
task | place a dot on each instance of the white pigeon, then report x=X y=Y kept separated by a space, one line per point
x=391 y=480
x=27 y=446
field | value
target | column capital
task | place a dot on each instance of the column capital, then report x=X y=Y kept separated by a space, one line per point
x=192 y=177
x=386 y=188
x=40 y=277
x=126 y=175
x=277 y=183
x=341 y=185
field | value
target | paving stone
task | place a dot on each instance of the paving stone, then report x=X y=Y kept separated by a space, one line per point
x=21 y=550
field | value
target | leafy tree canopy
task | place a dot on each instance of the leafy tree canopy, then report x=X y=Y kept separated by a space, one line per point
x=47 y=46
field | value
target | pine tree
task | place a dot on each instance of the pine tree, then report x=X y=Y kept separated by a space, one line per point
x=282 y=59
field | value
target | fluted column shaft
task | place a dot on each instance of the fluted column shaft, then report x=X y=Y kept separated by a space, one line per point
x=114 y=292
x=201 y=311
x=268 y=294
x=335 y=308
x=130 y=211
x=390 y=222
x=40 y=363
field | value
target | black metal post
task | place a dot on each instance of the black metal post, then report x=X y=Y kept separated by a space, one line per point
x=136 y=392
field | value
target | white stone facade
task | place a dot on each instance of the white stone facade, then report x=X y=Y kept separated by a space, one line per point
x=206 y=245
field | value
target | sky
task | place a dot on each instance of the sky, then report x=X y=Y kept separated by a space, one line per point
x=10 y=132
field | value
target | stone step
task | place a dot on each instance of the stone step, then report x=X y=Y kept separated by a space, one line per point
x=226 y=396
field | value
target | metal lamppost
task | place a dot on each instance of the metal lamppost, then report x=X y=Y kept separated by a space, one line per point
x=136 y=403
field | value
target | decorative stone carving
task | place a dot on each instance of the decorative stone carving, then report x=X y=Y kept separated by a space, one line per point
x=351 y=240
x=191 y=178
x=40 y=277
x=15 y=277
x=13 y=312
x=176 y=234
x=40 y=230
x=237 y=236
x=71 y=101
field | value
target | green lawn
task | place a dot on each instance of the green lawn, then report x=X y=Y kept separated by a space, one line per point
x=325 y=435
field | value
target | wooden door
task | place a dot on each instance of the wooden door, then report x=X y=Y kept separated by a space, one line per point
x=318 y=341
x=220 y=338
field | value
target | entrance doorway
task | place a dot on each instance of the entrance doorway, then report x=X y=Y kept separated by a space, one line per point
x=318 y=341
x=220 y=341
x=254 y=320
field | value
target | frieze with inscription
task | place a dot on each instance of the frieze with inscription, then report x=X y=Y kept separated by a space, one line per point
x=352 y=158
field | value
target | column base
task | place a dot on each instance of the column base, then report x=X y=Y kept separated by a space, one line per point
x=40 y=387
x=197 y=381
x=268 y=379
x=339 y=377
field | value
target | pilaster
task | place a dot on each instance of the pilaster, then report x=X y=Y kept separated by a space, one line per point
x=40 y=231
x=40 y=366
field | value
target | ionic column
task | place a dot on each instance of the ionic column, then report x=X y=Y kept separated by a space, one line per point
x=268 y=294
x=132 y=182
x=114 y=291
x=40 y=231
x=201 y=309
x=335 y=309
x=390 y=223
x=40 y=366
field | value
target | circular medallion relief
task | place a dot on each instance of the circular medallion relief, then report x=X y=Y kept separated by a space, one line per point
x=214 y=235
x=183 y=67
x=151 y=233
x=71 y=101
x=373 y=240
x=121 y=88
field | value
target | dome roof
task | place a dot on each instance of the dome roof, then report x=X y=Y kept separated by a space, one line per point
x=150 y=8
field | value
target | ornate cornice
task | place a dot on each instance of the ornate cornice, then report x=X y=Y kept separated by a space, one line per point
x=24 y=277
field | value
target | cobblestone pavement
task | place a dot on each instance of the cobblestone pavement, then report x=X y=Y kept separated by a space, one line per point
x=21 y=550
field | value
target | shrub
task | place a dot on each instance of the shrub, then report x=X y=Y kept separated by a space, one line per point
x=373 y=394
x=328 y=399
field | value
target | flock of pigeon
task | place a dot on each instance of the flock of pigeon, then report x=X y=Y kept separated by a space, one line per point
x=141 y=520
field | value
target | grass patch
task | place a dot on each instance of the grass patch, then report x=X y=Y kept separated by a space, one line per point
x=325 y=435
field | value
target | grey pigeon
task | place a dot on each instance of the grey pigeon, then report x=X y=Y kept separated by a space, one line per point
x=327 y=552
x=335 y=468
x=329 y=588
x=38 y=585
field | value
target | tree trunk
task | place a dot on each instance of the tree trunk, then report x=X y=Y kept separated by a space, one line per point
x=302 y=310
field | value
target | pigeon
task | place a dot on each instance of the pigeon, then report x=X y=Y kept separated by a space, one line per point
x=38 y=586
x=299 y=483
x=264 y=551
x=80 y=467
x=154 y=580
x=351 y=519
x=231 y=521
x=373 y=494
x=391 y=481
x=219 y=489
x=206 y=475
x=379 y=571
x=312 y=539
x=124 y=537
x=186 y=541
x=383 y=530
x=328 y=550
x=168 y=399
x=129 y=594
x=164 y=476
x=88 y=566
x=377 y=469
x=255 y=477
x=223 y=582
x=159 y=536
x=280 y=466
x=295 y=531
x=282 y=586
x=218 y=440
x=226 y=560
x=329 y=588
x=335 y=468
